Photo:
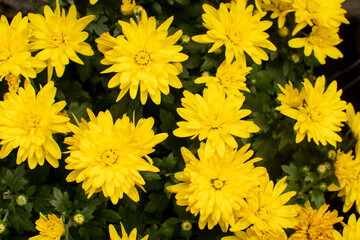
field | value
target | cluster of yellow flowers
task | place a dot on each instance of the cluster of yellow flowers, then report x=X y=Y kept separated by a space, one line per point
x=107 y=156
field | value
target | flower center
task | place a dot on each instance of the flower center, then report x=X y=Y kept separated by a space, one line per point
x=31 y=121
x=142 y=58
x=314 y=114
x=109 y=156
x=235 y=36
x=217 y=183
x=57 y=39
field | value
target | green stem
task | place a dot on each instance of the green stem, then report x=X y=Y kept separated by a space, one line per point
x=309 y=186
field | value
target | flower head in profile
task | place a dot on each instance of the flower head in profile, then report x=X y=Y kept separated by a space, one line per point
x=144 y=59
x=27 y=122
x=347 y=170
x=354 y=124
x=108 y=157
x=59 y=37
x=316 y=224
x=279 y=8
x=265 y=210
x=321 y=41
x=250 y=234
x=229 y=76
x=321 y=114
x=351 y=230
x=214 y=117
x=238 y=29
x=127 y=7
x=328 y=14
x=291 y=99
x=107 y=42
x=15 y=55
x=50 y=227
x=115 y=236
x=215 y=187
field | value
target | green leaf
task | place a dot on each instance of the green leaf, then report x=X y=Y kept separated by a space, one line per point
x=79 y=110
x=287 y=136
x=210 y=61
x=317 y=197
x=158 y=201
x=157 y=7
x=167 y=228
x=108 y=215
x=61 y=200
x=265 y=147
x=15 y=179
x=292 y=171
x=21 y=220
x=91 y=231
x=150 y=176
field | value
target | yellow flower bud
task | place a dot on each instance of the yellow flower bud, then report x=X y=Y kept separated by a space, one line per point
x=295 y=58
x=79 y=218
x=21 y=200
x=2 y=228
x=186 y=226
x=185 y=39
x=332 y=154
x=137 y=10
x=283 y=32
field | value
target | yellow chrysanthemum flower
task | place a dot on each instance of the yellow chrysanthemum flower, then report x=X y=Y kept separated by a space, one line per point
x=107 y=42
x=291 y=99
x=321 y=114
x=59 y=37
x=28 y=121
x=328 y=14
x=215 y=187
x=316 y=224
x=279 y=8
x=214 y=117
x=229 y=76
x=115 y=236
x=107 y=157
x=351 y=230
x=145 y=58
x=15 y=56
x=321 y=41
x=347 y=171
x=49 y=227
x=354 y=124
x=127 y=7
x=13 y=82
x=238 y=29
x=250 y=234
x=92 y=2
x=265 y=211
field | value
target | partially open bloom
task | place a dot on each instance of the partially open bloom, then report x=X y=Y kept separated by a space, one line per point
x=239 y=29
x=229 y=76
x=214 y=117
x=28 y=120
x=215 y=187
x=50 y=227
x=13 y=82
x=115 y=236
x=316 y=224
x=59 y=37
x=279 y=8
x=15 y=56
x=347 y=170
x=322 y=13
x=354 y=124
x=107 y=157
x=127 y=7
x=351 y=230
x=106 y=42
x=321 y=41
x=144 y=58
x=320 y=115
x=291 y=99
x=265 y=210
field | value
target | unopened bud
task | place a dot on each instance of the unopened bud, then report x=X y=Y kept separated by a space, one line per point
x=185 y=39
x=295 y=58
x=21 y=200
x=283 y=32
x=305 y=169
x=79 y=218
x=323 y=186
x=205 y=74
x=218 y=51
x=332 y=154
x=186 y=226
x=321 y=169
x=138 y=10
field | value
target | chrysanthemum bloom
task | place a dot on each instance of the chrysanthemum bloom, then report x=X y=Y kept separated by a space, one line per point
x=28 y=121
x=327 y=14
x=265 y=211
x=115 y=236
x=347 y=171
x=106 y=42
x=15 y=56
x=321 y=114
x=59 y=37
x=107 y=157
x=127 y=7
x=229 y=76
x=144 y=58
x=279 y=8
x=50 y=227
x=351 y=230
x=316 y=224
x=238 y=29
x=215 y=187
x=214 y=117
x=354 y=124
x=321 y=41
x=291 y=99
x=250 y=234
